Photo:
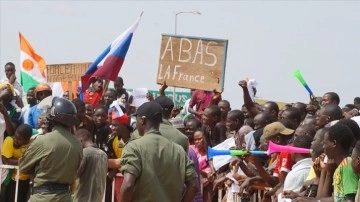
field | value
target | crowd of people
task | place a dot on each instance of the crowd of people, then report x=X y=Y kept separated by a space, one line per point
x=99 y=147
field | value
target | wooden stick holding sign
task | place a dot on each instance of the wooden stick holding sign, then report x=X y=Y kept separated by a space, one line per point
x=69 y=73
x=192 y=62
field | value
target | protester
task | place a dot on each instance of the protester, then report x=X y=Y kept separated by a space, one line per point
x=224 y=106
x=309 y=130
x=192 y=156
x=278 y=134
x=185 y=110
x=355 y=164
x=13 y=149
x=172 y=170
x=6 y=127
x=93 y=95
x=66 y=95
x=121 y=93
x=252 y=139
x=328 y=116
x=270 y=107
x=292 y=114
x=201 y=152
x=31 y=100
x=336 y=146
x=191 y=125
x=89 y=109
x=11 y=78
x=84 y=121
x=234 y=122
x=295 y=179
x=53 y=159
x=92 y=172
x=109 y=97
x=6 y=95
x=7 y=100
x=214 y=129
x=302 y=108
x=202 y=99
x=102 y=129
x=42 y=91
x=120 y=135
x=330 y=98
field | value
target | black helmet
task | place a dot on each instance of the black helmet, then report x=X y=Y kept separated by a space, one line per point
x=62 y=111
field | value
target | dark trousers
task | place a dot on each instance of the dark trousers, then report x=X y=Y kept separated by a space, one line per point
x=108 y=191
x=23 y=191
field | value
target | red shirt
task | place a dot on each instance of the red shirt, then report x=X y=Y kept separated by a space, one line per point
x=202 y=100
x=93 y=97
x=283 y=164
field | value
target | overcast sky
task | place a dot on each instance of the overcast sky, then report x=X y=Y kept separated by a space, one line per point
x=267 y=40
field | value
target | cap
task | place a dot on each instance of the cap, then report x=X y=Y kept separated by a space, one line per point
x=276 y=128
x=150 y=110
x=165 y=102
x=124 y=119
x=42 y=87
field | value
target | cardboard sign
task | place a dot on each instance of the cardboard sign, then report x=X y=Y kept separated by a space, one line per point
x=192 y=62
x=66 y=72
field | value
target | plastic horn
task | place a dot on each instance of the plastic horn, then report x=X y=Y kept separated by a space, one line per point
x=216 y=152
x=280 y=148
x=298 y=75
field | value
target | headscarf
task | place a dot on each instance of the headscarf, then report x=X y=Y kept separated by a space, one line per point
x=7 y=85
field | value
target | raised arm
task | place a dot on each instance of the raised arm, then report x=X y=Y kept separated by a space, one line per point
x=9 y=126
x=250 y=106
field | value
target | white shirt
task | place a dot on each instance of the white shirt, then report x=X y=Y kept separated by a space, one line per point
x=185 y=109
x=3 y=172
x=25 y=114
x=296 y=177
x=328 y=125
x=250 y=141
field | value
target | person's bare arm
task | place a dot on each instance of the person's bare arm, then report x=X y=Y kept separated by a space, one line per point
x=310 y=199
x=19 y=102
x=249 y=104
x=127 y=187
x=10 y=161
x=114 y=163
x=262 y=172
x=215 y=98
x=192 y=111
x=244 y=168
x=162 y=89
x=9 y=126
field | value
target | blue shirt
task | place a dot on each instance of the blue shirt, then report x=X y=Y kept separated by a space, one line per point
x=34 y=115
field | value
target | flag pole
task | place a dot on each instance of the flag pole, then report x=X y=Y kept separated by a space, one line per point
x=106 y=86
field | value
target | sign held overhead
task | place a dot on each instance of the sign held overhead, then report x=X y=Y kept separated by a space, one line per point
x=66 y=72
x=192 y=62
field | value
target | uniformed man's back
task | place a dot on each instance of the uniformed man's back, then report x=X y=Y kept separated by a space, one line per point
x=160 y=165
x=54 y=158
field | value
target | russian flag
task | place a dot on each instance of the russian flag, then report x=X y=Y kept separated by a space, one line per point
x=109 y=63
